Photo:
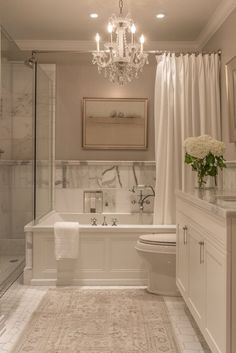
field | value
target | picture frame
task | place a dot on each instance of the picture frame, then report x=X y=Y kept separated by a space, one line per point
x=231 y=96
x=115 y=123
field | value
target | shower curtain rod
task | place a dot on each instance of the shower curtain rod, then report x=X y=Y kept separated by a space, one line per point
x=155 y=52
x=161 y=52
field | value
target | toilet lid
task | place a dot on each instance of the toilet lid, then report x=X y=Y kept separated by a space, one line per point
x=168 y=239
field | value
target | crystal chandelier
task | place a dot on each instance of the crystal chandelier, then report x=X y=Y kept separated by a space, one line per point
x=123 y=58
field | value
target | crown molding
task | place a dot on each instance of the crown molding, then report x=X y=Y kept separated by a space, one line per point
x=171 y=45
x=56 y=45
x=215 y=22
x=88 y=46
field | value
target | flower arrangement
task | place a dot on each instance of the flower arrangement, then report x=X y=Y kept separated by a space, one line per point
x=205 y=155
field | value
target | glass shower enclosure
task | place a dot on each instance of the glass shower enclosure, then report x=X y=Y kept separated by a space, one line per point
x=26 y=152
x=16 y=155
x=44 y=111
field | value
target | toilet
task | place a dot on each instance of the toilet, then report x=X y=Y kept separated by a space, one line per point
x=159 y=253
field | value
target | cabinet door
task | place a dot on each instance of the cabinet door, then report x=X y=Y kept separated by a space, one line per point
x=182 y=255
x=196 y=274
x=215 y=285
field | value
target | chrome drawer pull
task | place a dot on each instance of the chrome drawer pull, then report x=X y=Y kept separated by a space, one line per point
x=185 y=228
x=201 y=243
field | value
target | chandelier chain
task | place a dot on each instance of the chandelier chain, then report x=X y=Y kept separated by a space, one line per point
x=121 y=4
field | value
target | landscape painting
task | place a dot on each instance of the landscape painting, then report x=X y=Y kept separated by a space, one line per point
x=115 y=123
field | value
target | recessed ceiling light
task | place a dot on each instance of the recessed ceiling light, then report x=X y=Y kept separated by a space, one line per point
x=160 y=16
x=93 y=15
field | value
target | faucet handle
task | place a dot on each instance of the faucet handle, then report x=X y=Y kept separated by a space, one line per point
x=114 y=221
x=94 y=221
x=132 y=189
x=104 y=221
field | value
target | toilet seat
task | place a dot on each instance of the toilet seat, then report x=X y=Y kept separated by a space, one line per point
x=159 y=239
x=157 y=243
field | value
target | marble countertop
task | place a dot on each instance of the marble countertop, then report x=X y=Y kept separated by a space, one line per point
x=220 y=202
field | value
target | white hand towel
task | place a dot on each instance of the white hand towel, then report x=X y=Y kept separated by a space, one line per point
x=66 y=236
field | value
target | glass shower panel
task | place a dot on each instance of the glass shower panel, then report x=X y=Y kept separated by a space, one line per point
x=44 y=111
x=16 y=173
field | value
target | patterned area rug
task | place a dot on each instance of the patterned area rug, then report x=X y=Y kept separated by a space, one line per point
x=75 y=320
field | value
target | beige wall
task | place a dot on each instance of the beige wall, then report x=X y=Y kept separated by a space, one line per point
x=75 y=81
x=224 y=39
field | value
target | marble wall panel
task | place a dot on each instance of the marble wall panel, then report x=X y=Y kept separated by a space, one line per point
x=22 y=112
x=21 y=187
x=22 y=176
x=115 y=179
x=5 y=111
x=5 y=176
x=69 y=200
x=5 y=209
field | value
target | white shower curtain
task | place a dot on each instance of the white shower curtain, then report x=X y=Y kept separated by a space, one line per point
x=187 y=103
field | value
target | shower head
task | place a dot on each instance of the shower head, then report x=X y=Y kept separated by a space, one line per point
x=31 y=61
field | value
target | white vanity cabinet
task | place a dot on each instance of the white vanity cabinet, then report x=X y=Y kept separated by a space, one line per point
x=205 y=272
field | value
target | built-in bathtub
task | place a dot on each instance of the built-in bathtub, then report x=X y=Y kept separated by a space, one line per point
x=107 y=254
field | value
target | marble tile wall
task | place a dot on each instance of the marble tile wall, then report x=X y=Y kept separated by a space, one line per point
x=22 y=110
x=5 y=145
x=5 y=110
x=21 y=197
x=115 y=179
x=16 y=204
x=5 y=201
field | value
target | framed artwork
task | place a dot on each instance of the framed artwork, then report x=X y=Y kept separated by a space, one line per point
x=115 y=123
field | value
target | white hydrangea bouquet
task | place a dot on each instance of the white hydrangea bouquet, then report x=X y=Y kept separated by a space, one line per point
x=205 y=155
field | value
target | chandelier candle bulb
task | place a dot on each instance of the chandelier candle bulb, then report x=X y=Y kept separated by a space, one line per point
x=133 y=30
x=142 y=40
x=98 y=40
x=110 y=29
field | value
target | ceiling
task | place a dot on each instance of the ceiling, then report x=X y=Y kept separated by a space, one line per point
x=68 y=20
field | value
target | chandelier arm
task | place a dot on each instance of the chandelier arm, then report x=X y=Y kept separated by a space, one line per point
x=121 y=5
x=101 y=60
x=140 y=63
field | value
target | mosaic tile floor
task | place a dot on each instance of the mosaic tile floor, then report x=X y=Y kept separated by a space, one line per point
x=19 y=303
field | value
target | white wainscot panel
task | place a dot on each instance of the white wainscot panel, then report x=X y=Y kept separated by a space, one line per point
x=92 y=254
x=122 y=254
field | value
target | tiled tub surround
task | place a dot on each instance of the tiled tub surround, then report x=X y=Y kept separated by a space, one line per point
x=107 y=254
x=114 y=178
